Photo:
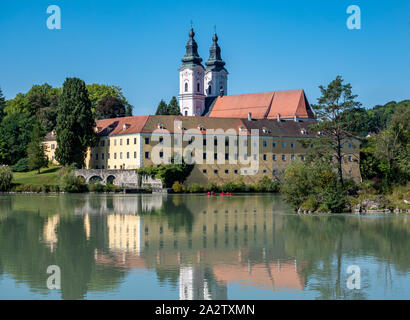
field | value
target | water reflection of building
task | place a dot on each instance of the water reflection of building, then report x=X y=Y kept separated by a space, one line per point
x=49 y=231
x=210 y=243
x=124 y=232
x=194 y=284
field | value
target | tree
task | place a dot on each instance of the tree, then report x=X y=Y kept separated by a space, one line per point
x=2 y=105
x=173 y=107
x=162 y=108
x=15 y=130
x=75 y=124
x=97 y=92
x=35 y=151
x=336 y=100
x=110 y=107
x=6 y=176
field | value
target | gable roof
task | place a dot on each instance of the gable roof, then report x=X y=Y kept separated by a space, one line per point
x=287 y=104
x=123 y=125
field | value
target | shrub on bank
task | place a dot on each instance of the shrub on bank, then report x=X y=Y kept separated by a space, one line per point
x=71 y=183
x=21 y=165
x=6 y=176
x=265 y=185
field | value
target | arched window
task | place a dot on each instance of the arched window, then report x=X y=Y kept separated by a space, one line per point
x=186 y=86
x=186 y=112
x=198 y=87
x=210 y=90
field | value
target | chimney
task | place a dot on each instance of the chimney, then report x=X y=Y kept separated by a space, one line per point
x=249 y=116
x=278 y=117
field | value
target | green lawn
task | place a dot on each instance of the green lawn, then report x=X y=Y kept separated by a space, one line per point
x=48 y=176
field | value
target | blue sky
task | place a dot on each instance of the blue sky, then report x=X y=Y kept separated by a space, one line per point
x=267 y=45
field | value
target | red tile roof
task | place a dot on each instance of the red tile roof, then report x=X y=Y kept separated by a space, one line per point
x=287 y=103
x=124 y=125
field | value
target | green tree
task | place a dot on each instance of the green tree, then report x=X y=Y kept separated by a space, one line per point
x=97 y=92
x=35 y=151
x=6 y=176
x=15 y=130
x=75 y=124
x=110 y=107
x=2 y=105
x=336 y=99
x=162 y=108
x=19 y=104
x=173 y=107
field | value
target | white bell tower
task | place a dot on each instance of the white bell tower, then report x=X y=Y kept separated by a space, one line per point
x=216 y=76
x=191 y=80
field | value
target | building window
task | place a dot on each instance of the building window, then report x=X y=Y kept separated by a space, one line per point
x=161 y=139
x=186 y=86
x=245 y=143
x=204 y=171
x=120 y=142
x=302 y=158
x=102 y=167
x=264 y=171
x=226 y=171
x=349 y=145
x=161 y=155
x=292 y=144
x=52 y=158
x=204 y=142
x=96 y=156
x=215 y=141
x=135 y=155
x=275 y=171
x=283 y=144
x=128 y=142
x=198 y=87
x=204 y=156
x=235 y=156
x=102 y=143
x=283 y=157
x=210 y=90
x=264 y=157
x=292 y=157
x=255 y=157
x=52 y=147
x=96 y=166
x=226 y=142
x=265 y=143
x=102 y=156
x=226 y=156
x=215 y=156
x=235 y=171
x=115 y=155
x=274 y=144
x=108 y=155
x=128 y=155
x=108 y=142
x=146 y=140
x=186 y=112
x=216 y=171
x=274 y=157
x=350 y=158
x=135 y=140
x=146 y=155
x=120 y=155
x=115 y=142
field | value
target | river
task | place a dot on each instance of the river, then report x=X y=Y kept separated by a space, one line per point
x=120 y=246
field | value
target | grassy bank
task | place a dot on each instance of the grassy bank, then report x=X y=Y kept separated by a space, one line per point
x=48 y=176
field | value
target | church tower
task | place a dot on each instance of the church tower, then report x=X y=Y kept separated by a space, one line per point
x=191 y=80
x=216 y=76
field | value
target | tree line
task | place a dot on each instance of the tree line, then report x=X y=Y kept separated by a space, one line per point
x=27 y=118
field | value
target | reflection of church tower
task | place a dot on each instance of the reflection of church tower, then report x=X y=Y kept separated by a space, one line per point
x=216 y=75
x=195 y=283
x=191 y=80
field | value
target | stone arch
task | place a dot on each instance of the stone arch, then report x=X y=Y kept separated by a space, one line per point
x=111 y=179
x=95 y=179
x=81 y=178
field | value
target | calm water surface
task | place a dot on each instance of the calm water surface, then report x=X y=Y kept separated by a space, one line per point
x=195 y=247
